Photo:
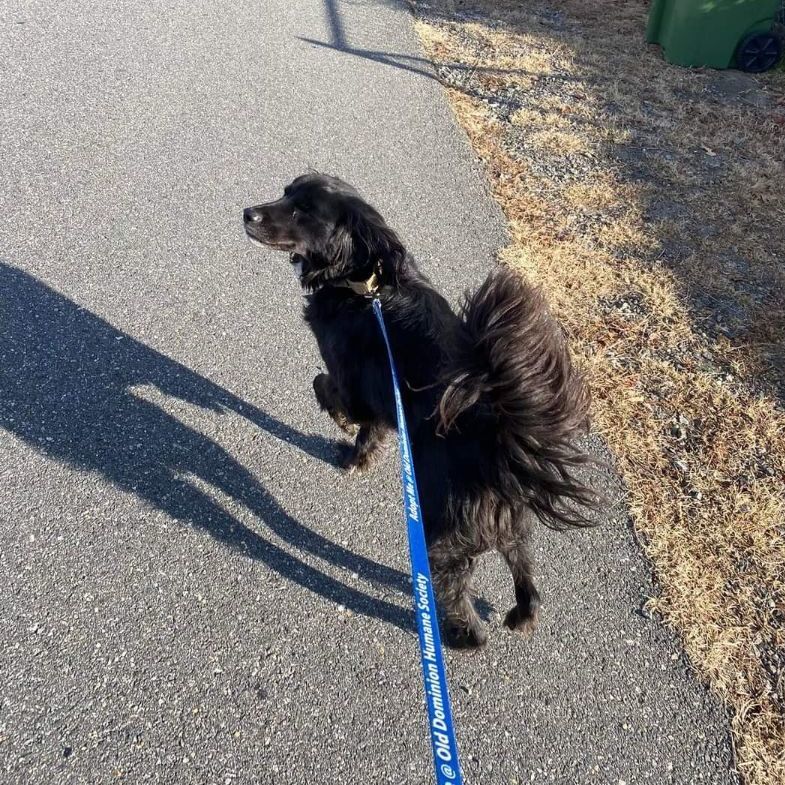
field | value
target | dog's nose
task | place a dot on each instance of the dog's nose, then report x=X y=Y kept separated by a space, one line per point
x=251 y=215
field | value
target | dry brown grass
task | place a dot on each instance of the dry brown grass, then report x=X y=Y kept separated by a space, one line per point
x=649 y=201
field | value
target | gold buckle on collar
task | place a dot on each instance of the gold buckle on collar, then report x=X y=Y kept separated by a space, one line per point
x=367 y=288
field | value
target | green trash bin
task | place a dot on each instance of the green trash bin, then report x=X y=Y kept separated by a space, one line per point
x=716 y=33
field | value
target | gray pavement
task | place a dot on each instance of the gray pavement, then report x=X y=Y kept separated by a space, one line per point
x=189 y=591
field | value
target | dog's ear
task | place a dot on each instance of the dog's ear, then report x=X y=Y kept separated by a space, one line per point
x=362 y=240
x=340 y=249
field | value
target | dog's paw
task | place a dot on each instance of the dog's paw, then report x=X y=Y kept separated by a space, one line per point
x=525 y=624
x=468 y=638
x=355 y=464
x=347 y=460
x=345 y=424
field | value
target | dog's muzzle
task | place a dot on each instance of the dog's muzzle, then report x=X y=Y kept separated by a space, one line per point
x=252 y=223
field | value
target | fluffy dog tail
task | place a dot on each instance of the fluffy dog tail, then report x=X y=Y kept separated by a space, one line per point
x=513 y=371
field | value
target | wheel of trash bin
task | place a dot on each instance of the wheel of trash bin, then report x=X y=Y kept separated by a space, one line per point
x=758 y=52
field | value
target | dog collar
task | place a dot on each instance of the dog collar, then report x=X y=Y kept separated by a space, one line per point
x=366 y=288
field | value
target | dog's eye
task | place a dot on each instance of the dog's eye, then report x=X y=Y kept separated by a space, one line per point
x=295 y=212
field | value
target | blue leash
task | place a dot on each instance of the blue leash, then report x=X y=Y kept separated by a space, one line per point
x=437 y=698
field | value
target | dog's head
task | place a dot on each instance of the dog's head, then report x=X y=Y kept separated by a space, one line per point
x=329 y=230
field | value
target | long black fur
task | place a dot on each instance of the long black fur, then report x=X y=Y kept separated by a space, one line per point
x=491 y=398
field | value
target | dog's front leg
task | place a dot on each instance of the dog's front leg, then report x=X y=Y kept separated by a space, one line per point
x=329 y=400
x=369 y=436
x=367 y=446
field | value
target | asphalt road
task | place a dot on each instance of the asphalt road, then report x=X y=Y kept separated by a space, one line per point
x=189 y=591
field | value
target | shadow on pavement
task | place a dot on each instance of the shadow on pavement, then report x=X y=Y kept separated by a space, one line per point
x=422 y=66
x=66 y=379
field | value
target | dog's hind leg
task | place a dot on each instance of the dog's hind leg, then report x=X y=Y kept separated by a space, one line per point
x=452 y=567
x=523 y=615
x=329 y=400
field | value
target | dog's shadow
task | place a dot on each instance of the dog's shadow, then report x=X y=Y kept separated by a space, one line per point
x=66 y=388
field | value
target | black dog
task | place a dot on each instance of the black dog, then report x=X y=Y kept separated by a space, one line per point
x=490 y=396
